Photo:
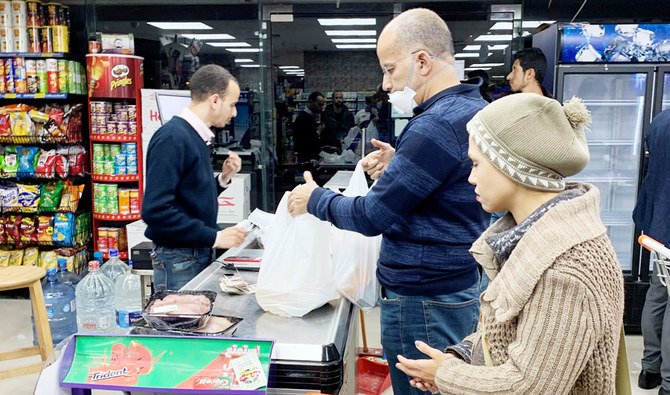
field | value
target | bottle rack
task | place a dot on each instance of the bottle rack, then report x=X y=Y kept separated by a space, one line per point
x=115 y=81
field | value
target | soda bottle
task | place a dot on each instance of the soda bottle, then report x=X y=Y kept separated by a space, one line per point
x=61 y=307
x=114 y=267
x=95 y=301
x=127 y=298
x=64 y=276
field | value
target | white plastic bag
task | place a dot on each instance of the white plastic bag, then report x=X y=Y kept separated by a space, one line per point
x=355 y=255
x=296 y=276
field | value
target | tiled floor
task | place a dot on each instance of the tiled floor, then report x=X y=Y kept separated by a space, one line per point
x=16 y=331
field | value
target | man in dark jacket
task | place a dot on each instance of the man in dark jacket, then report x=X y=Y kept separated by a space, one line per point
x=652 y=215
x=338 y=122
x=307 y=127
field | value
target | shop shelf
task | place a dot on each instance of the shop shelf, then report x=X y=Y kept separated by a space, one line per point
x=131 y=138
x=117 y=217
x=32 y=55
x=117 y=178
x=49 y=96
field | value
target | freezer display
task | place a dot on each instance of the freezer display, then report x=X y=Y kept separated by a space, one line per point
x=666 y=91
x=617 y=105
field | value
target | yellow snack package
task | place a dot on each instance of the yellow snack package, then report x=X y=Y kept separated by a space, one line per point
x=15 y=257
x=4 y=258
x=48 y=259
x=30 y=256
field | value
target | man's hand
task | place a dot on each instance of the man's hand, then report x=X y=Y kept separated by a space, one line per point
x=422 y=371
x=299 y=197
x=230 y=237
x=375 y=163
x=231 y=166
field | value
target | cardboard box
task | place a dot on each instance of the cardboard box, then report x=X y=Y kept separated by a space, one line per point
x=234 y=201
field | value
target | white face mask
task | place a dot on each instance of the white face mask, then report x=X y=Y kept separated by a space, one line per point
x=403 y=101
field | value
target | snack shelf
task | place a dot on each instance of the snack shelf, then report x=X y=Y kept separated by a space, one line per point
x=43 y=139
x=32 y=54
x=118 y=138
x=116 y=178
x=49 y=96
x=117 y=217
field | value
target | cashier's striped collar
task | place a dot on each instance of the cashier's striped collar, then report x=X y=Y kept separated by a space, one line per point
x=198 y=124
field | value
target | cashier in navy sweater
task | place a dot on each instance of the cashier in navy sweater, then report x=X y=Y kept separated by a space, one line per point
x=180 y=199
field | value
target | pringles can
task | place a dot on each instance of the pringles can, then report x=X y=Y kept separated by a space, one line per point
x=46 y=39
x=41 y=67
x=6 y=13
x=62 y=76
x=52 y=75
x=61 y=38
x=20 y=38
x=19 y=13
x=34 y=43
x=34 y=13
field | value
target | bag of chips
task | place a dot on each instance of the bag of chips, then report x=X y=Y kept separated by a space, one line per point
x=13 y=229
x=15 y=257
x=29 y=198
x=26 y=156
x=10 y=164
x=50 y=196
x=4 y=258
x=9 y=196
x=70 y=199
x=46 y=164
x=63 y=229
x=5 y=125
x=21 y=124
x=30 y=256
x=28 y=233
x=45 y=230
x=48 y=260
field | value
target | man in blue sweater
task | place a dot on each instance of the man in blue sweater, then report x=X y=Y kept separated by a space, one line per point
x=652 y=215
x=422 y=204
x=180 y=199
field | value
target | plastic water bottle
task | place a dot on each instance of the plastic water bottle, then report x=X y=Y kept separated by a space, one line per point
x=61 y=307
x=127 y=299
x=65 y=277
x=95 y=301
x=114 y=267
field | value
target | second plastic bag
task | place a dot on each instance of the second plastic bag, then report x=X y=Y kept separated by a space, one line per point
x=296 y=276
x=355 y=255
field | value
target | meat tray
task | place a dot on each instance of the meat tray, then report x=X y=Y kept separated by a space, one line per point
x=162 y=321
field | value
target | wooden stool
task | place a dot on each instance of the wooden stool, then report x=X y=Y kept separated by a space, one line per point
x=14 y=277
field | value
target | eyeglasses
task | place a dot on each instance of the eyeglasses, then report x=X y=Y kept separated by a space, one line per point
x=387 y=69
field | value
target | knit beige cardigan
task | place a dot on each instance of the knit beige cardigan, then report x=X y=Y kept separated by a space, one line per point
x=552 y=314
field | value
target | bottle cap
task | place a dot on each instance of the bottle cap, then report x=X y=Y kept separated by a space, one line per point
x=93 y=265
x=62 y=262
x=113 y=252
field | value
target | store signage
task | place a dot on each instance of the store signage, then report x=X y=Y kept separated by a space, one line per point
x=628 y=43
x=167 y=364
x=114 y=76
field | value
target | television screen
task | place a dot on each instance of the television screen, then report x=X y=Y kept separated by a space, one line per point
x=171 y=103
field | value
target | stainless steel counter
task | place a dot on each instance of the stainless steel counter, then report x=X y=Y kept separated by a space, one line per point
x=322 y=340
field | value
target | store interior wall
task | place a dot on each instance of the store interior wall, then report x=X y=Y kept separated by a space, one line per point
x=343 y=70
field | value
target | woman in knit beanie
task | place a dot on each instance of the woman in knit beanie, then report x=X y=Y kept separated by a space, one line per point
x=551 y=317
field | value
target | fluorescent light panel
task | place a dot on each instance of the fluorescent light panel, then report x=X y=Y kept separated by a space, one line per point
x=476 y=68
x=524 y=24
x=356 y=46
x=227 y=44
x=212 y=36
x=469 y=55
x=244 y=60
x=250 y=65
x=487 y=64
x=347 y=21
x=243 y=49
x=494 y=37
x=354 y=40
x=351 y=32
x=498 y=47
x=180 y=25
x=288 y=67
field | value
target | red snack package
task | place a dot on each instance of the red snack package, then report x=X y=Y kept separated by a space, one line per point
x=5 y=125
x=3 y=234
x=61 y=166
x=57 y=115
x=45 y=229
x=13 y=229
x=28 y=231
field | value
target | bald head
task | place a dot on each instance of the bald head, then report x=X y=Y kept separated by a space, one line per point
x=420 y=28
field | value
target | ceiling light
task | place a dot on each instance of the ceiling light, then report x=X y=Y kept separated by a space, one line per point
x=212 y=36
x=294 y=72
x=476 y=68
x=347 y=21
x=354 y=40
x=227 y=44
x=356 y=46
x=469 y=55
x=487 y=64
x=180 y=25
x=251 y=65
x=243 y=49
x=244 y=60
x=351 y=32
x=498 y=47
x=281 y=17
x=524 y=24
x=494 y=37
x=288 y=67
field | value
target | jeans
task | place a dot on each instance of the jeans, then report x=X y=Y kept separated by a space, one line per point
x=174 y=267
x=656 y=330
x=439 y=321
